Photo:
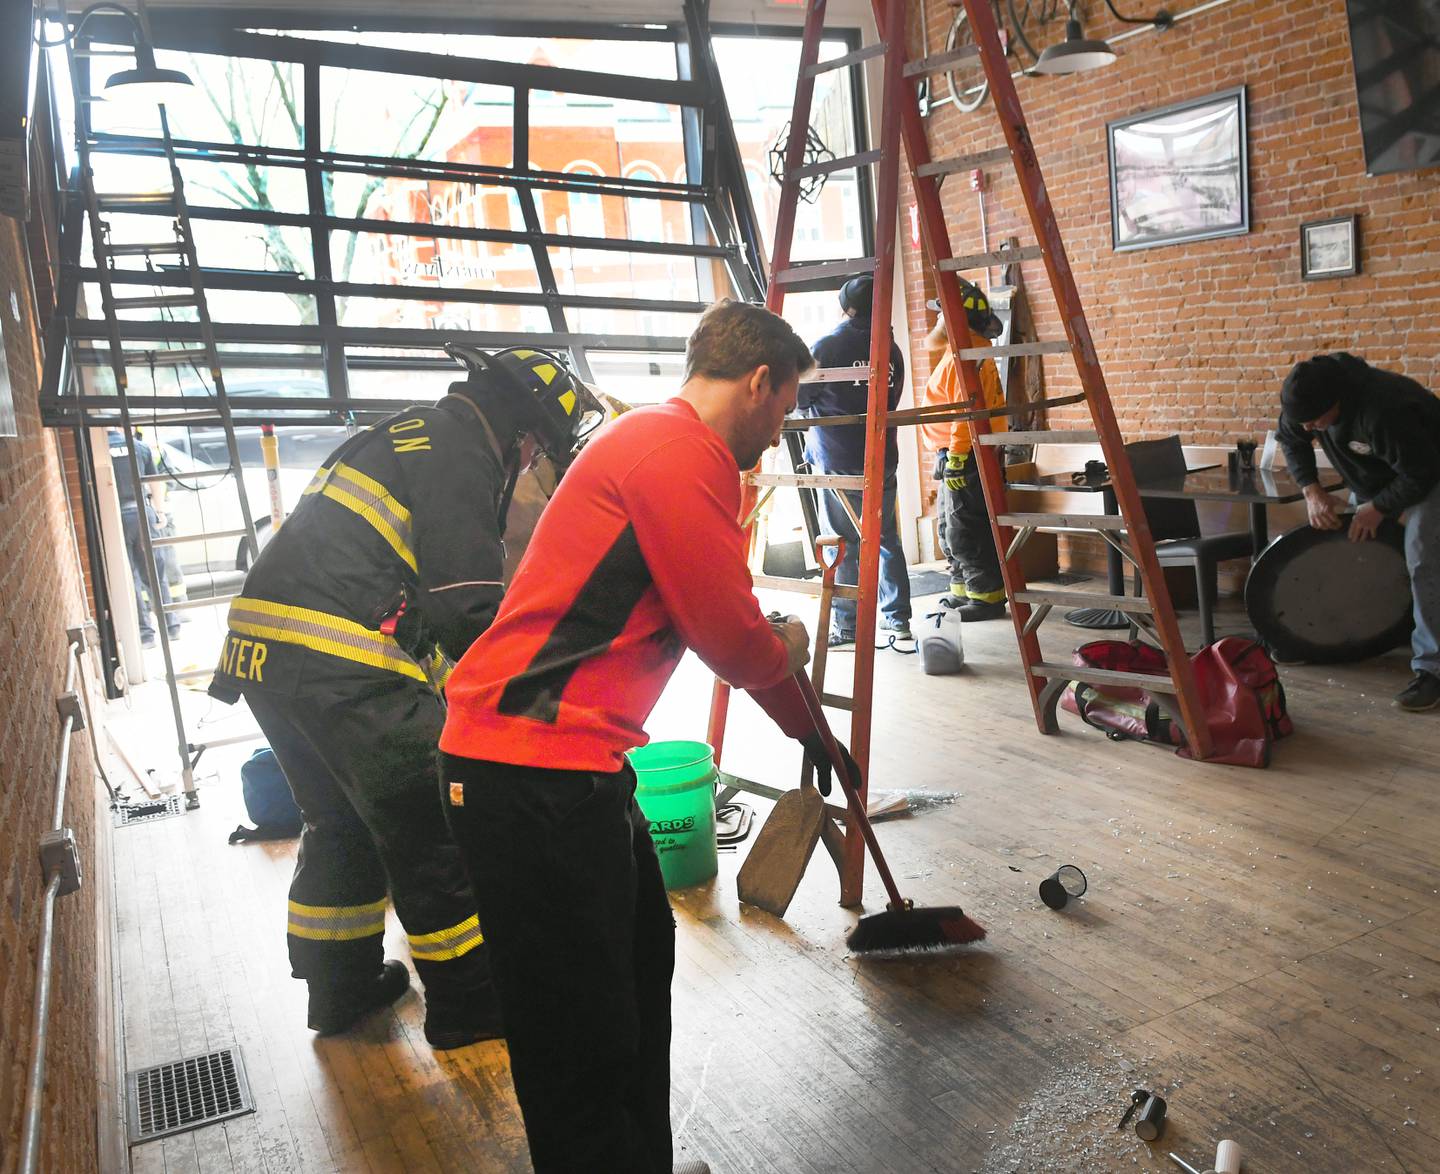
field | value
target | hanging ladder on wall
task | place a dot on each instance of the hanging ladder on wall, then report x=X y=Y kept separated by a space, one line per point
x=900 y=124
x=179 y=287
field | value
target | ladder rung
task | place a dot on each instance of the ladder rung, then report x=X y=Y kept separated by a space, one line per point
x=212 y=601
x=84 y=54
x=843 y=163
x=941 y=60
x=996 y=257
x=1064 y=521
x=1040 y=438
x=1074 y=672
x=1015 y=350
x=142 y=250
x=863 y=54
x=166 y=358
x=197 y=417
x=1135 y=603
x=964 y=162
x=802 y=586
x=839 y=374
x=838 y=701
x=122 y=199
x=203 y=536
x=154 y=301
x=823 y=274
x=195 y=475
x=807 y=480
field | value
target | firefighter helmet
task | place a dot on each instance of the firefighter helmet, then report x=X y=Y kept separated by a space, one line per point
x=549 y=402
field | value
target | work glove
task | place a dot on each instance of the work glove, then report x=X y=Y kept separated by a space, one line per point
x=955 y=478
x=815 y=754
x=792 y=633
x=940 y=458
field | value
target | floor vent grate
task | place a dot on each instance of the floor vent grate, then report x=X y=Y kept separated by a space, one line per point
x=146 y=811
x=186 y=1094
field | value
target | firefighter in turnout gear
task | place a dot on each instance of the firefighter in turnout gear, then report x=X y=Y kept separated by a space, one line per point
x=340 y=641
x=977 y=591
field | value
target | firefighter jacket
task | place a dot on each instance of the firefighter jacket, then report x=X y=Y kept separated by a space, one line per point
x=400 y=519
x=1385 y=442
x=944 y=387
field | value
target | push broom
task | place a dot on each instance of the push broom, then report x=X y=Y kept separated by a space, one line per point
x=902 y=926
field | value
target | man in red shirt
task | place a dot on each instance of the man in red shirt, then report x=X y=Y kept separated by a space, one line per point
x=638 y=556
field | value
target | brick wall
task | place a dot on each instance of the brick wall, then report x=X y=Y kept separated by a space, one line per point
x=40 y=597
x=1195 y=338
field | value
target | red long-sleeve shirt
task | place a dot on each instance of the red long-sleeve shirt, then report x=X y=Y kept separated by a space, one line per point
x=637 y=556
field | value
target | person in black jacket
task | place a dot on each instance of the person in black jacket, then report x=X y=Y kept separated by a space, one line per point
x=1381 y=431
x=340 y=640
x=840 y=449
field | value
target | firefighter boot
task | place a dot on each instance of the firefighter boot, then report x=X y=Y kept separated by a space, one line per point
x=336 y=1006
x=456 y=1021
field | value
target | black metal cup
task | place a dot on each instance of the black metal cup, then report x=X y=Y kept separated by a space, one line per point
x=1065 y=882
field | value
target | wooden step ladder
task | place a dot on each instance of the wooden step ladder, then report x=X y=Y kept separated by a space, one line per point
x=900 y=125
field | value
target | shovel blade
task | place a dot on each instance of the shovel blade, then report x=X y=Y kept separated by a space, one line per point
x=778 y=858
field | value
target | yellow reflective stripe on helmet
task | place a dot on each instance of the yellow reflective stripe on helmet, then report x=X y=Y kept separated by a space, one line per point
x=444 y=945
x=336 y=923
x=365 y=496
x=321 y=632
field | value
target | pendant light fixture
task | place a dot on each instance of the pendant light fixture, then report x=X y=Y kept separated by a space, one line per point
x=1076 y=53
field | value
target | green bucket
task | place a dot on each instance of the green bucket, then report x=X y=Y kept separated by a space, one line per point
x=675 y=787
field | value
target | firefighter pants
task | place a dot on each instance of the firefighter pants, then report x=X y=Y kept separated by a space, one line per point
x=583 y=944
x=358 y=750
x=967 y=541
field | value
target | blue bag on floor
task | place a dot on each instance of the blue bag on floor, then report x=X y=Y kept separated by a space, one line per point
x=268 y=801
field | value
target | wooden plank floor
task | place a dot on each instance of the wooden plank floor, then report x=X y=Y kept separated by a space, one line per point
x=1261 y=947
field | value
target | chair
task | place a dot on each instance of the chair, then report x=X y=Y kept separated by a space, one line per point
x=1175 y=526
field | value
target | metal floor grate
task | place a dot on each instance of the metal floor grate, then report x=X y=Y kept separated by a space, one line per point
x=147 y=811
x=186 y=1094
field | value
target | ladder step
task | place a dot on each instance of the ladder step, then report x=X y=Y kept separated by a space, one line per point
x=838 y=701
x=807 y=480
x=1040 y=438
x=203 y=536
x=802 y=586
x=195 y=475
x=995 y=257
x=844 y=163
x=191 y=604
x=147 y=249
x=1074 y=672
x=854 y=58
x=1062 y=521
x=167 y=358
x=197 y=417
x=154 y=301
x=964 y=162
x=84 y=54
x=941 y=60
x=823 y=274
x=839 y=374
x=1015 y=350
x=1130 y=603
x=111 y=200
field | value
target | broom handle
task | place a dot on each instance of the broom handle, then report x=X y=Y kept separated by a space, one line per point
x=851 y=789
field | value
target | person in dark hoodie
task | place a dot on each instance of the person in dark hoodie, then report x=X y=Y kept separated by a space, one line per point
x=840 y=450
x=1381 y=431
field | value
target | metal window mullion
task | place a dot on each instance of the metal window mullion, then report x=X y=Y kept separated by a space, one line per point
x=332 y=352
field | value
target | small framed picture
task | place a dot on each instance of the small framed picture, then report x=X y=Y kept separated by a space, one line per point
x=1330 y=248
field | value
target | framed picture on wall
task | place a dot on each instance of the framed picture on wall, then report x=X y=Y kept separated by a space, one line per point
x=1330 y=248
x=1180 y=173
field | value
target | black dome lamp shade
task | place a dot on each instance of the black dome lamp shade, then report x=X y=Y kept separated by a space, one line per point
x=1075 y=54
x=147 y=81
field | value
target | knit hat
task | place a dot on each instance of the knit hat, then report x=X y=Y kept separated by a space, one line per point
x=857 y=294
x=1312 y=388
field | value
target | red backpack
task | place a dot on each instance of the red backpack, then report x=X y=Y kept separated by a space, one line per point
x=1239 y=687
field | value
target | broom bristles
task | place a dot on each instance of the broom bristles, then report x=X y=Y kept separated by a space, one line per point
x=914 y=929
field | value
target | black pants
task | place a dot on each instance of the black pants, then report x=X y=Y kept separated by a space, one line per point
x=967 y=541
x=582 y=942
x=358 y=750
